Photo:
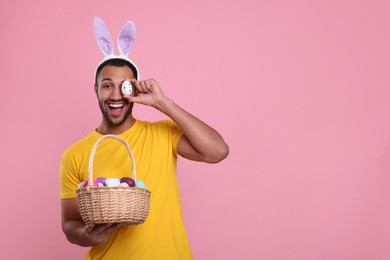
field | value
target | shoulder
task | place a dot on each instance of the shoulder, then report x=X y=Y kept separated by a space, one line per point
x=166 y=124
x=166 y=127
x=160 y=124
x=81 y=146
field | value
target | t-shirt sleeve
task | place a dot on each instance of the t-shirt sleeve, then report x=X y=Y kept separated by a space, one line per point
x=175 y=134
x=69 y=177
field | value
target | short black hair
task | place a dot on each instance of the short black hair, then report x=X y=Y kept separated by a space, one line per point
x=116 y=63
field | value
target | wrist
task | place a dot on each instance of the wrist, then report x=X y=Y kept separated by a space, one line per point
x=163 y=104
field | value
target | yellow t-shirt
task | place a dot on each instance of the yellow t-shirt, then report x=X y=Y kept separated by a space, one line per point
x=162 y=235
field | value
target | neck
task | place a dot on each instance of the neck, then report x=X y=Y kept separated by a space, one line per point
x=106 y=128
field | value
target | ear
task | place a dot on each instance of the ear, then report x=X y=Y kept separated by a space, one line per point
x=126 y=38
x=102 y=36
x=95 y=88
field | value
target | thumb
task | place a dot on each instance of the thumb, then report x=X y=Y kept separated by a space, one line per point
x=89 y=227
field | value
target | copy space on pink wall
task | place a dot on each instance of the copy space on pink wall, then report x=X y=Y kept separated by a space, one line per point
x=299 y=90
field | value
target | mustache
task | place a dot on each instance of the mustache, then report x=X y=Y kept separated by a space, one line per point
x=122 y=100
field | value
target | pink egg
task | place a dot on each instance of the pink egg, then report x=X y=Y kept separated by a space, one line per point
x=129 y=181
x=95 y=184
x=124 y=184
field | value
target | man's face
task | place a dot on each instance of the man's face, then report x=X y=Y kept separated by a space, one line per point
x=114 y=107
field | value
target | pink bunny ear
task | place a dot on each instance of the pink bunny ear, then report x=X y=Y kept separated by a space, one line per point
x=126 y=38
x=102 y=36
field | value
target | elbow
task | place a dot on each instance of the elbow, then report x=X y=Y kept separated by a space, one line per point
x=66 y=229
x=220 y=154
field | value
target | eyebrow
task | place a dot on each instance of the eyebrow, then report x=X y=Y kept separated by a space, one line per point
x=109 y=79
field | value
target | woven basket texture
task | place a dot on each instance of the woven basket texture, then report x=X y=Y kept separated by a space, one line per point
x=125 y=205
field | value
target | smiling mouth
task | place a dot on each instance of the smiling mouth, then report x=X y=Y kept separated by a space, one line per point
x=116 y=109
x=115 y=106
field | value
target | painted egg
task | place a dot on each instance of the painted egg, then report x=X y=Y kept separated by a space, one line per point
x=140 y=184
x=128 y=180
x=113 y=182
x=101 y=180
x=95 y=184
x=127 y=88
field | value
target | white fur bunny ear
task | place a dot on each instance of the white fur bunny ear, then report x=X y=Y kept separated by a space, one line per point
x=126 y=38
x=103 y=37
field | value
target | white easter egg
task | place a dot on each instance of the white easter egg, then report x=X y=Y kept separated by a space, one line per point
x=113 y=182
x=127 y=88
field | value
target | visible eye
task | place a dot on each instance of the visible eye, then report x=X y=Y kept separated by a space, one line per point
x=107 y=86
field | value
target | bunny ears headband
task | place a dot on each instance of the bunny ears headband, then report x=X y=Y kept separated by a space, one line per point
x=126 y=39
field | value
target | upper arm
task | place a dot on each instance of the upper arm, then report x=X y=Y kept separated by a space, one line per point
x=72 y=224
x=213 y=152
x=187 y=150
x=69 y=211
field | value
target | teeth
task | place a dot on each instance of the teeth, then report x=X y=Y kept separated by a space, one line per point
x=115 y=105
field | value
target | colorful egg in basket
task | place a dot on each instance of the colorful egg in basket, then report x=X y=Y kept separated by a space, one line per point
x=125 y=205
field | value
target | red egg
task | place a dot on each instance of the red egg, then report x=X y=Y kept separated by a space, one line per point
x=128 y=180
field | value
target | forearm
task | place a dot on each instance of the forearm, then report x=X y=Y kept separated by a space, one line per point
x=76 y=234
x=201 y=142
x=206 y=140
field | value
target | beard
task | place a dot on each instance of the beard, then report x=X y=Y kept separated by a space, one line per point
x=118 y=120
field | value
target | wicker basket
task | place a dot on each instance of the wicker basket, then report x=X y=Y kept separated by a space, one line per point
x=124 y=205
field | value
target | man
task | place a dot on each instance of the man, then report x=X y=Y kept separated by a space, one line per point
x=155 y=147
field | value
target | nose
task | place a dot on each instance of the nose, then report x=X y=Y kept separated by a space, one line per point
x=116 y=93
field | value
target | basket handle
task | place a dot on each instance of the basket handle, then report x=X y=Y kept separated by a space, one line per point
x=93 y=152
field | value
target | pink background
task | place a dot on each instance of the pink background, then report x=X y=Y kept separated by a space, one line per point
x=299 y=89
